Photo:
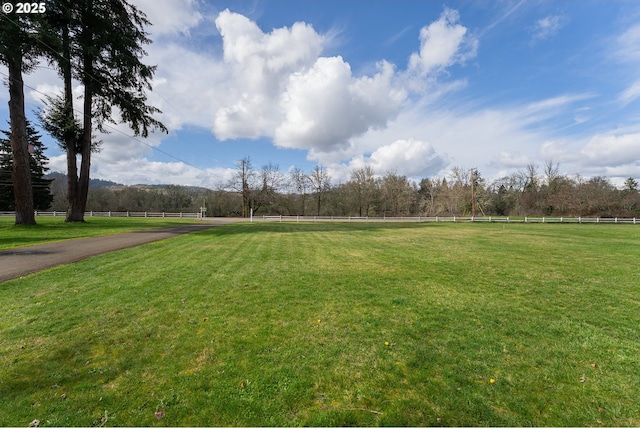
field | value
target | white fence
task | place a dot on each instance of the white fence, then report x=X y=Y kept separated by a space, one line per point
x=315 y=219
x=145 y=214
x=454 y=219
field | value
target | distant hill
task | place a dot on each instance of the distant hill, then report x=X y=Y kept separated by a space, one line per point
x=94 y=183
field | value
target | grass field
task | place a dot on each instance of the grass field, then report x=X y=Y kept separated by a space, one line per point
x=51 y=229
x=333 y=324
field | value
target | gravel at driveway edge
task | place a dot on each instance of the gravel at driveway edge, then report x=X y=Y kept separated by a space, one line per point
x=22 y=261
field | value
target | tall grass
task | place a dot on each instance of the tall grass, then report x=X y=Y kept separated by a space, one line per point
x=333 y=324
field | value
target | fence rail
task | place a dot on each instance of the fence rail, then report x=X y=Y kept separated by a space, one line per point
x=351 y=219
x=452 y=219
x=145 y=214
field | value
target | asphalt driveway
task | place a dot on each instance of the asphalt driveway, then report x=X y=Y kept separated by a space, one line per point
x=18 y=262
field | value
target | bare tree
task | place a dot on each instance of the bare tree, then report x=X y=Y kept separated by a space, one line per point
x=301 y=184
x=242 y=182
x=398 y=194
x=428 y=190
x=365 y=188
x=320 y=183
x=271 y=180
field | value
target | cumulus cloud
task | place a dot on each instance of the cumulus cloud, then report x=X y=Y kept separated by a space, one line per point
x=326 y=105
x=413 y=158
x=443 y=43
x=260 y=68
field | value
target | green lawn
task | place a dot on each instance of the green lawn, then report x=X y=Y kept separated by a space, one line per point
x=51 y=229
x=333 y=324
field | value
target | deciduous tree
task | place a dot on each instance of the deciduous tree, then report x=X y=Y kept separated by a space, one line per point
x=320 y=183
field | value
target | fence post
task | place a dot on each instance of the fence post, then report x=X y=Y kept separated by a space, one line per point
x=454 y=219
x=298 y=218
x=597 y=219
x=436 y=219
x=616 y=220
x=525 y=219
x=543 y=219
x=109 y=213
x=634 y=220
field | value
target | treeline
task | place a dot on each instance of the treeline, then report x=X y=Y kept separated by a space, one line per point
x=533 y=191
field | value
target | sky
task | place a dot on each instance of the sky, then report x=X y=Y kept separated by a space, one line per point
x=415 y=87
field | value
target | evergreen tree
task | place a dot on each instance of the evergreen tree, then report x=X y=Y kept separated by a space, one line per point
x=18 y=51
x=42 y=197
x=99 y=43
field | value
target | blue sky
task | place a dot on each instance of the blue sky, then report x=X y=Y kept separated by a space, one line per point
x=415 y=87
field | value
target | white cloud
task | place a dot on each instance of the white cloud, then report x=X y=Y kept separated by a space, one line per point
x=194 y=83
x=326 y=106
x=612 y=150
x=170 y=17
x=628 y=44
x=412 y=158
x=260 y=66
x=630 y=94
x=143 y=171
x=511 y=159
x=442 y=44
x=547 y=27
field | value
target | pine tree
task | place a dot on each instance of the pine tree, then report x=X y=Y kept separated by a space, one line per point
x=18 y=51
x=99 y=43
x=42 y=197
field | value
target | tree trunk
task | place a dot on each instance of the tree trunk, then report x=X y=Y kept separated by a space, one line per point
x=75 y=213
x=82 y=191
x=21 y=174
x=85 y=166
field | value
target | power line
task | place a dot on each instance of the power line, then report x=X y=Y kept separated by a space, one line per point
x=111 y=128
x=89 y=75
